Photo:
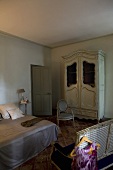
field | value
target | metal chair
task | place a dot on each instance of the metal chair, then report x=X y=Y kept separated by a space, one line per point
x=64 y=112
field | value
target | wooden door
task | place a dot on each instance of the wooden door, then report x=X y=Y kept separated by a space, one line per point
x=71 y=82
x=41 y=91
x=89 y=82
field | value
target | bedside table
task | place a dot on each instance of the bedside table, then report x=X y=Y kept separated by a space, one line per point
x=25 y=105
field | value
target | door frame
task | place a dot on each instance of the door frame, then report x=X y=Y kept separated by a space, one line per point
x=32 y=65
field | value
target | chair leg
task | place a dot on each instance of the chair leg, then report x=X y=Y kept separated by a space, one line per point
x=73 y=122
x=57 y=122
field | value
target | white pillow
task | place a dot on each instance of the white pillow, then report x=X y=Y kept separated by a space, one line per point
x=4 y=113
x=4 y=109
x=15 y=113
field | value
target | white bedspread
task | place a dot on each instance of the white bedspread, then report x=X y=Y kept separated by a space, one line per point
x=18 y=143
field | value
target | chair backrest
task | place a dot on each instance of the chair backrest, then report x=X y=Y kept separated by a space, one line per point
x=62 y=105
x=99 y=133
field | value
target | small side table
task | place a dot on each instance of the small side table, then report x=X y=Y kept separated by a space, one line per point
x=25 y=105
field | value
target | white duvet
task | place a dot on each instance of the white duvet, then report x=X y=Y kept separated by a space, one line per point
x=18 y=143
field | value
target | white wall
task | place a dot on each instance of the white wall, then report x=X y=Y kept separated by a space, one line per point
x=16 y=57
x=103 y=43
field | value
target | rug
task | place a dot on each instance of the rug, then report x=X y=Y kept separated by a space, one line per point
x=66 y=136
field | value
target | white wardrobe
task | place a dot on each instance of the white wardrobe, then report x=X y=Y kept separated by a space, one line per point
x=84 y=83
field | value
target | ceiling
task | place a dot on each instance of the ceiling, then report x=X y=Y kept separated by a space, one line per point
x=54 y=23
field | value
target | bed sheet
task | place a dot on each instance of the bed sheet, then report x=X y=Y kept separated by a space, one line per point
x=19 y=144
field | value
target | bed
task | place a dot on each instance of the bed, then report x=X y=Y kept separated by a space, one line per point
x=19 y=144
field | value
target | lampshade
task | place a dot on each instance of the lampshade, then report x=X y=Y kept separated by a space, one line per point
x=20 y=91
